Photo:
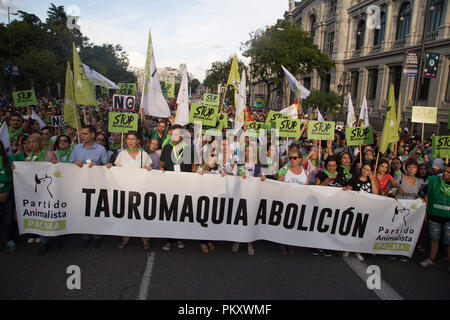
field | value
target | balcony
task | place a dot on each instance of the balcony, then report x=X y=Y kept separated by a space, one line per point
x=376 y=49
x=431 y=36
x=399 y=43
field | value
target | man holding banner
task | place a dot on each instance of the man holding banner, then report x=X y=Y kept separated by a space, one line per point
x=92 y=154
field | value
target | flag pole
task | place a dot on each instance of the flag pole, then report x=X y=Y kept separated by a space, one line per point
x=376 y=165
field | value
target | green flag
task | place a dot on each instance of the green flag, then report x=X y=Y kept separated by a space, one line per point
x=69 y=105
x=82 y=88
x=234 y=78
x=390 y=127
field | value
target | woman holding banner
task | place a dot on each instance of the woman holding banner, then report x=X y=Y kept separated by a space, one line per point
x=329 y=177
x=384 y=179
x=211 y=166
x=366 y=182
x=39 y=153
x=133 y=157
x=294 y=175
x=63 y=148
x=102 y=140
x=253 y=169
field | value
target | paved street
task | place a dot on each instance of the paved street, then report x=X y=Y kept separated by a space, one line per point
x=188 y=274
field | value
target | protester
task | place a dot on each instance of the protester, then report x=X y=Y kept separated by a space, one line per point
x=15 y=129
x=151 y=147
x=102 y=140
x=176 y=156
x=133 y=157
x=295 y=175
x=63 y=148
x=366 y=182
x=438 y=209
x=39 y=153
x=6 y=199
x=90 y=153
x=160 y=132
x=211 y=166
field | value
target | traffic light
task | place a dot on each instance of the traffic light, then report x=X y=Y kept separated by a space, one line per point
x=431 y=65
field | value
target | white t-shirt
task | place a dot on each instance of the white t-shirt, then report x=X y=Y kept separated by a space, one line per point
x=126 y=161
x=301 y=179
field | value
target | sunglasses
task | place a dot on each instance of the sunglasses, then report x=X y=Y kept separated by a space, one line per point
x=293 y=158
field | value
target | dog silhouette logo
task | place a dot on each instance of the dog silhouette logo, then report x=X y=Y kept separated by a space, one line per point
x=404 y=212
x=42 y=180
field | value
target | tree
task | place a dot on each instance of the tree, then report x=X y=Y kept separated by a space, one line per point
x=325 y=102
x=283 y=44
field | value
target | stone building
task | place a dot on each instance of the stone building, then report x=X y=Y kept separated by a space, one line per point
x=367 y=41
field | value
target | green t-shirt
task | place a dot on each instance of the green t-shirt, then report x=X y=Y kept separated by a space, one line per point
x=5 y=178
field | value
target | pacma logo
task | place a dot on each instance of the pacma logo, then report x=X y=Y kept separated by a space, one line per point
x=403 y=212
x=45 y=181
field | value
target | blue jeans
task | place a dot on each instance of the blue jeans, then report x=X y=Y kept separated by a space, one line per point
x=88 y=237
x=6 y=211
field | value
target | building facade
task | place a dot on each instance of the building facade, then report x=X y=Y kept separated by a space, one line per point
x=367 y=41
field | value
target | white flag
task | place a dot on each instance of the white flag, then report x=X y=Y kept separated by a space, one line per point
x=351 y=117
x=319 y=116
x=153 y=100
x=99 y=79
x=295 y=85
x=4 y=138
x=291 y=111
x=182 y=117
x=364 y=115
x=241 y=104
x=36 y=117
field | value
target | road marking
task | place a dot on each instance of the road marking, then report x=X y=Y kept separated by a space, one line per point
x=385 y=293
x=146 y=277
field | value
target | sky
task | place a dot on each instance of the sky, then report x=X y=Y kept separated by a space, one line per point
x=194 y=32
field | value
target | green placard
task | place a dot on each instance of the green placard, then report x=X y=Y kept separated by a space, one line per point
x=441 y=147
x=273 y=117
x=359 y=136
x=24 y=98
x=211 y=99
x=289 y=128
x=122 y=122
x=168 y=89
x=255 y=129
x=424 y=115
x=127 y=89
x=321 y=130
x=207 y=115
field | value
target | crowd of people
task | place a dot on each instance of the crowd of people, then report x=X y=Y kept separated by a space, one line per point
x=406 y=171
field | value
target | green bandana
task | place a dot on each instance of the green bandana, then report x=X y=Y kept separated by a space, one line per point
x=64 y=155
x=329 y=174
x=346 y=170
x=134 y=150
x=445 y=188
x=40 y=157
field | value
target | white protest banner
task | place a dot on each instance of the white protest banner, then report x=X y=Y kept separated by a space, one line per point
x=124 y=103
x=63 y=199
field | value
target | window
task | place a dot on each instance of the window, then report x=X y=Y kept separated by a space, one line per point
x=424 y=89
x=372 y=84
x=325 y=84
x=380 y=33
x=395 y=77
x=330 y=45
x=354 y=88
x=307 y=83
x=404 y=21
x=435 y=15
x=313 y=21
x=447 y=94
x=360 y=35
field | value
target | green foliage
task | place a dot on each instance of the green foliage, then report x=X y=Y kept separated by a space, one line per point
x=283 y=44
x=325 y=102
x=41 y=51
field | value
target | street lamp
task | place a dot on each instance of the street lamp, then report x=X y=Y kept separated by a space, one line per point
x=10 y=67
x=344 y=87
